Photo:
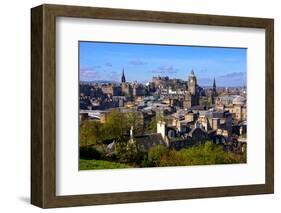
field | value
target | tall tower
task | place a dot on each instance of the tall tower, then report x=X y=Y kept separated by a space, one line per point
x=192 y=83
x=123 y=79
x=214 y=92
x=214 y=87
x=192 y=96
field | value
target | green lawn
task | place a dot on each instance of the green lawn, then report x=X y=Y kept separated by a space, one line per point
x=100 y=164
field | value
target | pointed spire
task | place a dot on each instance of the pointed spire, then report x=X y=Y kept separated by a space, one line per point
x=214 y=87
x=192 y=72
x=214 y=83
x=123 y=79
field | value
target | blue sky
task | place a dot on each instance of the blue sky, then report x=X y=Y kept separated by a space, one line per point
x=105 y=61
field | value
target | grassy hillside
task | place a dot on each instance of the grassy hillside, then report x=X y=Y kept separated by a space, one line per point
x=100 y=164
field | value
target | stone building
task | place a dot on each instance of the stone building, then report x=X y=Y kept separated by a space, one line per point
x=192 y=94
x=178 y=138
x=159 y=80
x=130 y=89
x=126 y=88
x=220 y=121
x=110 y=89
x=235 y=104
x=137 y=90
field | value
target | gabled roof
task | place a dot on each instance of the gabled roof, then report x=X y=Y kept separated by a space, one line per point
x=148 y=141
x=197 y=129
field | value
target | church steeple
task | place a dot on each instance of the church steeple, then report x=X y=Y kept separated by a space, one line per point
x=123 y=79
x=214 y=86
x=192 y=72
x=214 y=92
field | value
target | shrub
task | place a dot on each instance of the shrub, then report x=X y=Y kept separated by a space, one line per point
x=127 y=153
x=172 y=158
x=89 y=152
x=145 y=162
x=156 y=153
x=101 y=149
x=204 y=154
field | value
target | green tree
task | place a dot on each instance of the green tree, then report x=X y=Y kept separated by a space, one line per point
x=126 y=152
x=115 y=125
x=89 y=133
x=172 y=158
x=152 y=126
x=204 y=154
x=135 y=120
x=156 y=153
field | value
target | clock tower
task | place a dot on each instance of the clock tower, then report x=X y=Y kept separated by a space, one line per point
x=192 y=95
x=192 y=83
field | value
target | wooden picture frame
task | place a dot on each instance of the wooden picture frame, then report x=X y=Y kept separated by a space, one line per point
x=43 y=105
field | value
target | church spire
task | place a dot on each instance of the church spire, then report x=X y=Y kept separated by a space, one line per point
x=214 y=87
x=192 y=72
x=214 y=84
x=123 y=79
x=214 y=92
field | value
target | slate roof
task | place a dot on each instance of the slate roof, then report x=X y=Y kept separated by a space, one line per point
x=197 y=129
x=148 y=141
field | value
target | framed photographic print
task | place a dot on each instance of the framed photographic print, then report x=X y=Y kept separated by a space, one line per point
x=137 y=106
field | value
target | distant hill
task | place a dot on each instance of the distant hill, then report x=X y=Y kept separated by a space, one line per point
x=98 y=82
x=236 y=79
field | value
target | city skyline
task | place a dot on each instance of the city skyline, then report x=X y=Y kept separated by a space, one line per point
x=105 y=61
